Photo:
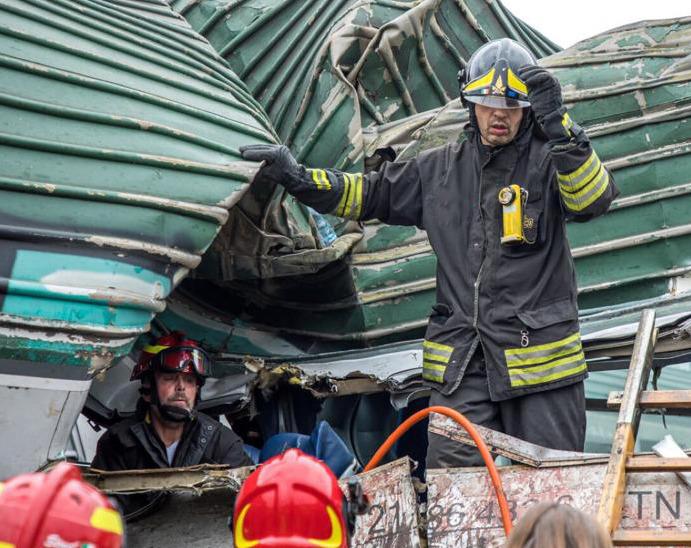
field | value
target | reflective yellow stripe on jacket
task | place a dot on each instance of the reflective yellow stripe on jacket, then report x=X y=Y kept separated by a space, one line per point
x=582 y=187
x=350 y=205
x=435 y=358
x=545 y=363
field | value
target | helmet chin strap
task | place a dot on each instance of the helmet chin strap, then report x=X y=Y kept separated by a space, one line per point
x=174 y=413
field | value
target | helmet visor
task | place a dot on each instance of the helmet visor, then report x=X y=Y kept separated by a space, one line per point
x=182 y=359
x=494 y=101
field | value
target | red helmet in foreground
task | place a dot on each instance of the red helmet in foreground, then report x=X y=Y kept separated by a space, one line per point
x=292 y=500
x=57 y=509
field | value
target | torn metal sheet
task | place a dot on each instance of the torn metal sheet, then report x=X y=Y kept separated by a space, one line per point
x=463 y=511
x=511 y=447
x=208 y=493
x=195 y=479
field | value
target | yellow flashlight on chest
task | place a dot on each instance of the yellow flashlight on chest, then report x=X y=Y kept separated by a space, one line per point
x=512 y=198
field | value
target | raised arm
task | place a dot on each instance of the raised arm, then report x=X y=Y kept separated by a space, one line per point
x=585 y=186
x=391 y=194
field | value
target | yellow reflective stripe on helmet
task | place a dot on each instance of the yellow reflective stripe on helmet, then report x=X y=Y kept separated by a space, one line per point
x=335 y=539
x=6 y=545
x=154 y=348
x=516 y=83
x=340 y=210
x=481 y=82
x=2 y=487
x=239 y=531
x=106 y=519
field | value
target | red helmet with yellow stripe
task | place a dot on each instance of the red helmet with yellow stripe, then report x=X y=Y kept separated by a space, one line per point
x=292 y=500
x=173 y=353
x=57 y=509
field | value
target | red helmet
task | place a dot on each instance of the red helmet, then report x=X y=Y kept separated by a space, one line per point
x=173 y=353
x=57 y=509
x=292 y=500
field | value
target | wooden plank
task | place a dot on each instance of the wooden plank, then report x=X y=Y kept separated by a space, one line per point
x=611 y=502
x=656 y=464
x=651 y=537
x=609 y=511
x=463 y=511
x=656 y=399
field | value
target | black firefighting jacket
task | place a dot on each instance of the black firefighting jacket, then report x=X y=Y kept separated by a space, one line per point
x=517 y=301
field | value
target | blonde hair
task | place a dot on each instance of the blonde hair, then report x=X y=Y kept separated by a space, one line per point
x=554 y=525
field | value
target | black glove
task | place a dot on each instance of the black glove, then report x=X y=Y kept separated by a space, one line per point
x=280 y=166
x=318 y=188
x=544 y=94
x=544 y=91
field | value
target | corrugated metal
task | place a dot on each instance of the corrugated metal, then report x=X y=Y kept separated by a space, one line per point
x=325 y=69
x=630 y=89
x=119 y=129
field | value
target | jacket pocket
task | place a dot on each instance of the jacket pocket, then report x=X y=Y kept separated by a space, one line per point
x=562 y=310
x=558 y=352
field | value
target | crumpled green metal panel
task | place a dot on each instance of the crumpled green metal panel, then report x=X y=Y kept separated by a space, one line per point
x=630 y=88
x=326 y=69
x=119 y=129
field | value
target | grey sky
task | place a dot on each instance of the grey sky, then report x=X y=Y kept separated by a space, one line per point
x=569 y=22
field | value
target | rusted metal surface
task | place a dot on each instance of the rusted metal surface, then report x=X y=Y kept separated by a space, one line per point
x=392 y=520
x=463 y=510
x=511 y=447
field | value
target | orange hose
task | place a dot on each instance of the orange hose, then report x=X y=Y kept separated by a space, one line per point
x=465 y=423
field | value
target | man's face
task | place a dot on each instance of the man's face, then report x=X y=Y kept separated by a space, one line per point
x=498 y=126
x=177 y=389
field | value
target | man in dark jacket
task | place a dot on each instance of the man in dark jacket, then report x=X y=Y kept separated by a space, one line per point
x=169 y=431
x=502 y=344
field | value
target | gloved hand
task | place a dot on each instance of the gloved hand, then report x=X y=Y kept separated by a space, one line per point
x=544 y=94
x=544 y=91
x=280 y=166
x=318 y=188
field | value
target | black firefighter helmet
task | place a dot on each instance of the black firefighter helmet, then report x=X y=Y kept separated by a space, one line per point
x=491 y=75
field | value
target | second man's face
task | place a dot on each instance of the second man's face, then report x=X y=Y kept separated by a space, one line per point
x=498 y=126
x=177 y=389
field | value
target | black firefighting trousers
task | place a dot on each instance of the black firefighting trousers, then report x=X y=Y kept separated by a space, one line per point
x=553 y=418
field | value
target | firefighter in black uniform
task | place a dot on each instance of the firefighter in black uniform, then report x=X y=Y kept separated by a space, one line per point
x=502 y=345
